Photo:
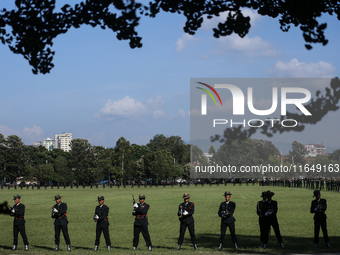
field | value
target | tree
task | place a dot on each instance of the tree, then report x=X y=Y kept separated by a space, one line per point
x=212 y=150
x=158 y=164
x=335 y=155
x=63 y=173
x=265 y=149
x=178 y=149
x=319 y=107
x=298 y=153
x=35 y=23
x=2 y=155
x=82 y=160
x=123 y=154
x=16 y=157
x=44 y=172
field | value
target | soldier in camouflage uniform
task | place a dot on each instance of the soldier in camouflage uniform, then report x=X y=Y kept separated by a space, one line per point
x=185 y=211
x=141 y=222
x=226 y=212
x=18 y=212
x=101 y=217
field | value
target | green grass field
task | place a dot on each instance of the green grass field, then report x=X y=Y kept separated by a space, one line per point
x=296 y=222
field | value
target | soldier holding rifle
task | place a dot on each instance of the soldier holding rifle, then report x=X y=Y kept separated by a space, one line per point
x=270 y=219
x=18 y=212
x=260 y=212
x=318 y=207
x=185 y=211
x=226 y=212
x=101 y=217
x=141 y=222
x=60 y=222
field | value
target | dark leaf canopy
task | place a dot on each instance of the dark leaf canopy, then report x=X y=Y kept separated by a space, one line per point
x=30 y=28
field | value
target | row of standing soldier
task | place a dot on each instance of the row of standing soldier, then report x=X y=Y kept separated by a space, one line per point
x=266 y=210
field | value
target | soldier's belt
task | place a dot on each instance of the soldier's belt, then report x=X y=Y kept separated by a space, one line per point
x=140 y=216
x=19 y=217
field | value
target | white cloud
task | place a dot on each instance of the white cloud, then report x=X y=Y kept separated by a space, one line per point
x=126 y=107
x=6 y=131
x=248 y=46
x=28 y=135
x=185 y=41
x=296 y=69
x=181 y=114
x=130 y=109
x=35 y=132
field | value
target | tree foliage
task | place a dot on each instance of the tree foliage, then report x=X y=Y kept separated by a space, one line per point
x=319 y=107
x=298 y=153
x=82 y=160
x=30 y=28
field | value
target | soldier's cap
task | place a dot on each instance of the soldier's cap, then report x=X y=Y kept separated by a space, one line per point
x=141 y=196
x=16 y=196
x=269 y=193
x=263 y=194
x=186 y=195
x=100 y=198
x=227 y=193
x=56 y=197
x=316 y=192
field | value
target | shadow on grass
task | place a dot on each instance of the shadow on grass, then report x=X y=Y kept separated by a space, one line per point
x=42 y=247
x=6 y=247
x=252 y=244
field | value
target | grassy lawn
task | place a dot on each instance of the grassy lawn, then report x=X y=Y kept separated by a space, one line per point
x=296 y=222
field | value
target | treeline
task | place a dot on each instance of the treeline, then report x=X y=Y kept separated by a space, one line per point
x=163 y=157
x=254 y=152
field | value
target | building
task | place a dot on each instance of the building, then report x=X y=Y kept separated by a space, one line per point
x=37 y=144
x=62 y=141
x=314 y=150
x=49 y=144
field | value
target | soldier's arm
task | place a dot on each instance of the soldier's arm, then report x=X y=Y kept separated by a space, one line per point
x=62 y=209
x=20 y=211
x=312 y=207
x=231 y=208
x=191 y=210
x=275 y=208
x=324 y=206
x=258 y=208
x=220 y=210
x=104 y=213
x=144 y=210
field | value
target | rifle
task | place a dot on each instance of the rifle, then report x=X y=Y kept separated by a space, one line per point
x=133 y=202
x=54 y=215
x=11 y=213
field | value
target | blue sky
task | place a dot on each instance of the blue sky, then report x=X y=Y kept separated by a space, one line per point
x=102 y=90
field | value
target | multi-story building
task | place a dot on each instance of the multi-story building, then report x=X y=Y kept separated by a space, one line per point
x=314 y=150
x=62 y=141
x=320 y=149
x=49 y=144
